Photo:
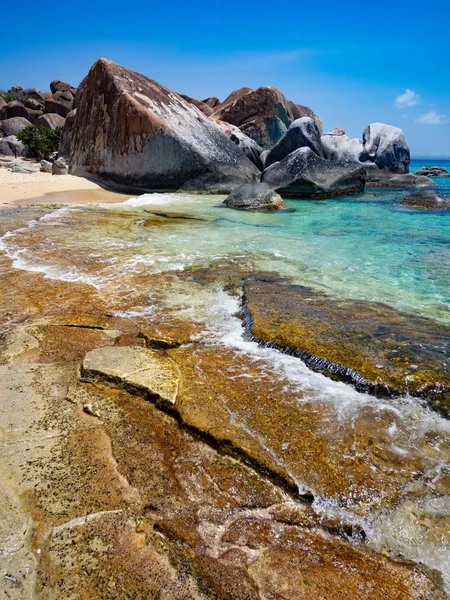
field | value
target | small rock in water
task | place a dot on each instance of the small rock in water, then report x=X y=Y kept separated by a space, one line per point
x=428 y=199
x=432 y=172
x=255 y=196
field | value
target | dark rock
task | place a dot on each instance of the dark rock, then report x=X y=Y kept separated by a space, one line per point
x=59 y=104
x=33 y=104
x=59 y=167
x=302 y=133
x=428 y=199
x=10 y=146
x=57 y=86
x=46 y=166
x=16 y=109
x=254 y=107
x=46 y=96
x=2 y=103
x=255 y=196
x=14 y=126
x=212 y=101
x=408 y=180
x=303 y=174
x=138 y=135
x=266 y=131
x=386 y=146
x=51 y=121
x=432 y=172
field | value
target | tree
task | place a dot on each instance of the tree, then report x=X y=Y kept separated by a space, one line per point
x=41 y=141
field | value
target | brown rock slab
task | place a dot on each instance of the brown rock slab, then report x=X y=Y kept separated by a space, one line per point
x=370 y=344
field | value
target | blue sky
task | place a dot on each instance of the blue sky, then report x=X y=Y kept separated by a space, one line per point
x=352 y=62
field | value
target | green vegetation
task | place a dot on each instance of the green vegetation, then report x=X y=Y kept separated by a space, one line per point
x=7 y=97
x=40 y=140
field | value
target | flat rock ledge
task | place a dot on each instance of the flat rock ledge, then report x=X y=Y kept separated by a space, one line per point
x=148 y=371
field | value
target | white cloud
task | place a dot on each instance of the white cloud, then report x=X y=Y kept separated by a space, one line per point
x=409 y=98
x=432 y=118
x=404 y=116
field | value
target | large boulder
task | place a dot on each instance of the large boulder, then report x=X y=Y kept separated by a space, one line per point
x=10 y=146
x=139 y=136
x=256 y=110
x=33 y=104
x=303 y=174
x=383 y=151
x=255 y=197
x=14 y=126
x=51 y=121
x=60 y=103
x=428 y=199
x=16 y=109
x=302 y=133
x=247 y=145
x=212 y=101
x=385 y=146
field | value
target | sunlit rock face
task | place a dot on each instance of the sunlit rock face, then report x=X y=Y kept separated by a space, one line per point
x=131 y=132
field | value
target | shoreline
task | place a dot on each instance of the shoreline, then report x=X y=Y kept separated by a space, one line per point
x=20 y=189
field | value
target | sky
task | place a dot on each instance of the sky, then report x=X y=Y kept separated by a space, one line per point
x=353 y=63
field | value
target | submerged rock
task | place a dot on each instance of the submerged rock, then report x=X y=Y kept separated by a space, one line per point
x=303 y=174
x=255 y=196
x=409 y=180
x=302 y=133
x=370 y=344
x=135 y=134
x=428 y=199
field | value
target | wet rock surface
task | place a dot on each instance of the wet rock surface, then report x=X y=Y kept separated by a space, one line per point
x=254 y=196
x=427 y=199
x=370 y=344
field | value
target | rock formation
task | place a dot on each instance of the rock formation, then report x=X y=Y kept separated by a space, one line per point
x=428 y=199
x=10 y=146
x=137 y=135
x=263 y=114
x=303 y=174
x=432 y=172
x=13 y=126
x=255 y=196
x=302 y=133
x=383 y=150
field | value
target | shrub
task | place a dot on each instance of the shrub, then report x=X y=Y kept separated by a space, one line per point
x=40 y=140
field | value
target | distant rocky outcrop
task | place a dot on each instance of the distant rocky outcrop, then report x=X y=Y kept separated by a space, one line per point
x=20 y=107
x=408 y=180
x=428 y=199
x=303 y=174
x=137 y=135
x=255 y=197
x=432 y=172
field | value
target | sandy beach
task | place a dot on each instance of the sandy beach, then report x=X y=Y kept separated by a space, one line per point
x=21 y=189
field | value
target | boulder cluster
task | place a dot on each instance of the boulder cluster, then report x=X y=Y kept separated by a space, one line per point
x=21 y=107
x=135 y=135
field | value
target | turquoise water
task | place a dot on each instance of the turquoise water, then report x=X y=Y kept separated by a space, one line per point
x=366 y=246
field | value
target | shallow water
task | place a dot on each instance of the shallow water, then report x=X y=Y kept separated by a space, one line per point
x=364 y=247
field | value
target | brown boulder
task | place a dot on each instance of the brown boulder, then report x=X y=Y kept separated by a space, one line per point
x=212 y=101
x=206 y=110
x=140 y=136
x=57 y=86
x=60 y=104
x=262 y=114
x=16 y=109
x=14 y=126
x=51 y=120
x=33 y=104
x=66 y=136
